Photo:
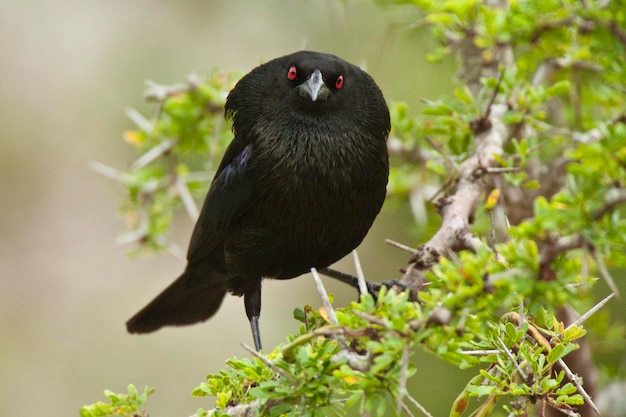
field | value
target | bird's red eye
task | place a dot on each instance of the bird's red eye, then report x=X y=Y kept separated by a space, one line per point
x=339 y=82
x=292 y=73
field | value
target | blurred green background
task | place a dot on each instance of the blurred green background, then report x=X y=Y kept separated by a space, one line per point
x=68 y=69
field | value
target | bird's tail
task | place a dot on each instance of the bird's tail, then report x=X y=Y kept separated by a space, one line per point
x=195 y=296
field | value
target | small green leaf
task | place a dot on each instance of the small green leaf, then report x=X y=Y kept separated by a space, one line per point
x=481 y=390
x=464 y=94
x=513 y=117
x=575 y=399
x=223 y=398
x=567 y=389
x=437 y=109
x=511 y=331
x=559 y=88
x=532 y=184
x=574 y=332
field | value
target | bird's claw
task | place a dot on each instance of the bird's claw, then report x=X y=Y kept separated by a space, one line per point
x=374 y=287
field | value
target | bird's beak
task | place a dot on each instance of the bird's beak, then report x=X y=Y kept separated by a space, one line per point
x=314 y=88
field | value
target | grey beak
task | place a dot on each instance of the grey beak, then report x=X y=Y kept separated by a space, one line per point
x=314 y=88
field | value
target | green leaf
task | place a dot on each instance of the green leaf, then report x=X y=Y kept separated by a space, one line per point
x=513 y=117
x=574 y=332
x=437 y=109
x=532 y=184
x=481 y=390
x=559 y=88
x=280 y=409
x=560 y=351
x=464 y=94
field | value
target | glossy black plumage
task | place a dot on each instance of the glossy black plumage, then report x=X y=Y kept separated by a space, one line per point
x=298 y=187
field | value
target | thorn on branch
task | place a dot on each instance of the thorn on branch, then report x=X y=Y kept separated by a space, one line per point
x=153 y=154
x=401 y=246
x=186 y=198
x=158 y=92
x=576 y=381
x=141 y=122
x=591 y=311
x=359 y=274
x=268 y=363
x=330 y=311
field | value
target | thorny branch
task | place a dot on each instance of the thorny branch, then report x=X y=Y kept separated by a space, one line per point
x=355 y=360
x=457 y=211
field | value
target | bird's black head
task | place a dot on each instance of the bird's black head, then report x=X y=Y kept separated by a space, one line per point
x=306 y=84
x=313 y=77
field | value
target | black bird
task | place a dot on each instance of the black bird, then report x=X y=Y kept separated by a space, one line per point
x=298 y=187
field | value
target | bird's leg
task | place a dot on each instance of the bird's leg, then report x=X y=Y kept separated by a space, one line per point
x=372 y=287
x=256 y=335
x=252 y=302
x=341 y=276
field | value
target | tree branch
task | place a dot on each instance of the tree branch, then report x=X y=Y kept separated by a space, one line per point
x=457 y=211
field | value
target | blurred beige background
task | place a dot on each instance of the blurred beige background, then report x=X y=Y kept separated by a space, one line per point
x=68 y=69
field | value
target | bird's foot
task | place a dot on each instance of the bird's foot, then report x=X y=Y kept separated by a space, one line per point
x=374 y=287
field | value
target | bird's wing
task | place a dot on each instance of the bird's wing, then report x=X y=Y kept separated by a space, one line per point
x=226 y=200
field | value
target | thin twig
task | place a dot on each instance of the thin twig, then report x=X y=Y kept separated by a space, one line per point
x=495 y=94
x=332 y=317
x=107 y=171
x=575 y=381
x=418 y=405
x=153 y=154
x=359 y=273
x=406 y=409
x=591 y=311
x=483 y=352
x=137 y=118
x=158 y=92
x=401 y=246
x=520 y=371
x=268 y=362
x=177 y=251
x=186 y=198
x=133 y=236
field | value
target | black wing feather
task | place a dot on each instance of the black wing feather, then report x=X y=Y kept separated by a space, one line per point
x=226 y=200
